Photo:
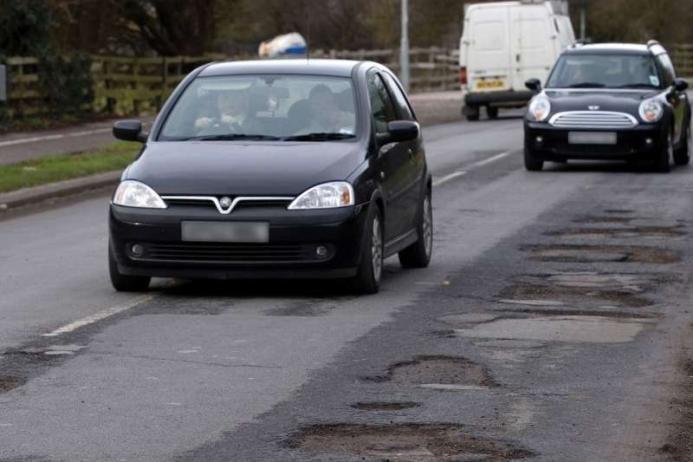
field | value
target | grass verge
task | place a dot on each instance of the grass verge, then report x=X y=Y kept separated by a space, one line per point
x=51 y=169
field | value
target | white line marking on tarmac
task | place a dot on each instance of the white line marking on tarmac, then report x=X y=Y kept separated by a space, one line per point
x=36 y=139
x=441 y=181
x=96 y=317
x=446 y=178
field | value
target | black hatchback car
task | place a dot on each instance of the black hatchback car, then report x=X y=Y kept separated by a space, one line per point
x=610 y=102
x=274 y=169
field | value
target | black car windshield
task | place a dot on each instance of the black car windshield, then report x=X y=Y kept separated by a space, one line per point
x=262 y=108
x=605 y=71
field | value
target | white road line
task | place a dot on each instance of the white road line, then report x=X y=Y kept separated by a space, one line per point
x=446 y=178
x=440 y=181
x=36 y=139
x=96 y=317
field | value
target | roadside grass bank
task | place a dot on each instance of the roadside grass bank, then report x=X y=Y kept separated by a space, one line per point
x=51 y=169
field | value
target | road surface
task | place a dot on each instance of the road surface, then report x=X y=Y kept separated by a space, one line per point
x=553 y=324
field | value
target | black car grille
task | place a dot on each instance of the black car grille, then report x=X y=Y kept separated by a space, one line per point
x=231 y=253
x=246 y=204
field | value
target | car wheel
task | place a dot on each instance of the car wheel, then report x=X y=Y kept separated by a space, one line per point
x=471 y=113
x=122 y=282
x=682 y=155
x=531 y=162
x=370 y=269
x=418 y=255
x=492 y=112
x=663 y=162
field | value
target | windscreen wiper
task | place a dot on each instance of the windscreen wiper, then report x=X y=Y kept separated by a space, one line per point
x=232 y=137
x=319 y=137
x=587 y=85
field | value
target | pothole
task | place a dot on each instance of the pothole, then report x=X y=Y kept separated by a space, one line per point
x=619 y=211
x=385 y=406
x=569 y=329
x=603 y=220
x=304 y=308
x=581 y=312
x=405 y=443
x=602 y=253
x=619 y=233
x=437 y=370
x=576 y=295
x=9 y=383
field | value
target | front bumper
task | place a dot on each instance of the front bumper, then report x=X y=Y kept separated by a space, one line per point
x=290 y=253
x=643 y=142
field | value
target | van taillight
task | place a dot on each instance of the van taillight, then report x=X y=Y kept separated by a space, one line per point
x=463 y=76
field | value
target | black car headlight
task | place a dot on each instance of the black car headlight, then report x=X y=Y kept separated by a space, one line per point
x=325 y=196
x=132 y=193
x=651 y=111
x=539 y=109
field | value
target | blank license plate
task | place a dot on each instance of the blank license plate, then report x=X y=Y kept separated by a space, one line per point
x=592 y=138
x=216 y=231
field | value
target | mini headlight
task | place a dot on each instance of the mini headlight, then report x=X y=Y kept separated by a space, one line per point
x=651 y=110
x=539 y=109
x=325 y=196
x=135 y=194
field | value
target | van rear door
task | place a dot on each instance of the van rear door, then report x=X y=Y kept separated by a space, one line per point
x=532 y=43
x=488 y=45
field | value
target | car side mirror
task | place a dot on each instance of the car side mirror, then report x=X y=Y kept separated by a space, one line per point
x=680 y=85
x=401 y=130
x=129 y=130
x=534 y=85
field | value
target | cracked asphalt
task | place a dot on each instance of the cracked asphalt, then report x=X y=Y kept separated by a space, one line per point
x=553 y=324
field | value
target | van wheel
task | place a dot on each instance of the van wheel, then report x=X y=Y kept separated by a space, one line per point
x=682 y=155
x=122 y=282
x=471 y=113
x=531 y=162
x=492 y=112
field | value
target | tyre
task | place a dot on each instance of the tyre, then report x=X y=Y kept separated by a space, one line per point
x=682 y=154
x=532 y=164
x=418 y=255
x=663 y=162
x=492 y=112
x=370 y=269
x=471 y=113
x=122 y=282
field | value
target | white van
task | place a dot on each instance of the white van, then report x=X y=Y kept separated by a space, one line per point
x=506 y=43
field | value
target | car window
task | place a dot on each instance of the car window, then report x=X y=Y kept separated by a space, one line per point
x=605 y=71
x=382 y=107
x=667 y=68
x=404 y=111
x=263 y=107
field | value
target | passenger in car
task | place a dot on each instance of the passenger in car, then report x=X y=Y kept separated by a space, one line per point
x=230 y=113
x=325 y=113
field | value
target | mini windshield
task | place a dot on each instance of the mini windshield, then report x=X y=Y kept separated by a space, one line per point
x=264 y=107
x=605 y=71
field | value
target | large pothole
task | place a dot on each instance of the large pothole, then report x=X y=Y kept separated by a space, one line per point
x=573 y=295
x=384 y=406
x=405 y=443
x=437 y=372
x=619 y=233
x=570 y=253
x=9 y=383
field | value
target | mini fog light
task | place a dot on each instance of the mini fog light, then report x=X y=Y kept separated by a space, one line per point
x=321 y=251
x=137 y=250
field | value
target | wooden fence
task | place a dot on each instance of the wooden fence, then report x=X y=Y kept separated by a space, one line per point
x=682 y=55
x=122 y=85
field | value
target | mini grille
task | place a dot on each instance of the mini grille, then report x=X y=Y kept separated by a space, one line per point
x=593 y=119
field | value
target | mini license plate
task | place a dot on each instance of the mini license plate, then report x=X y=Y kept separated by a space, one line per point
x=592 y=138
x=489 y=84
x=219 y=231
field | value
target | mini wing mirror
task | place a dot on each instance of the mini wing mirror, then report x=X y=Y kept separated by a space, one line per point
x=680 y=85
x=129 y=130
x=534 y=85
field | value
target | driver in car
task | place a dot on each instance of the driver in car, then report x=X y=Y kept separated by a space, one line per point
x=326 y=115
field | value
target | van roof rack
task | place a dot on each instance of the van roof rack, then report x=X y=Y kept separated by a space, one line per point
x=652 y=43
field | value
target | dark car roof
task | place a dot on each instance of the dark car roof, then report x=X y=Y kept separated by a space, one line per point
x=609 y=48
x=328 y=67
